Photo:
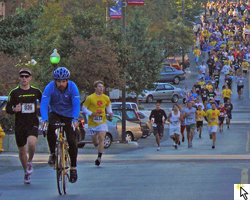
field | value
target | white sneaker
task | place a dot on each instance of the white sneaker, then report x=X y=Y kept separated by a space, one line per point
x=29 y=169
x=27 y=178
x=159 y=148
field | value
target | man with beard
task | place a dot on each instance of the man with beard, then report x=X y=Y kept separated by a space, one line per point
x=61 y=103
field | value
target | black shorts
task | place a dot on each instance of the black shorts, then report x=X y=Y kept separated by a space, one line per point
x=240 y=87
x=158 y=129
x=244 y=71
x=225 y=99
x=229 y=115
x=204 y=99
x=221 y=119
x=23 y=132
x=199 y=124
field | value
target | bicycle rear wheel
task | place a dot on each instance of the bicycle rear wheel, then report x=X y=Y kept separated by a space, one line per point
x=66 y=171
x=59 y=168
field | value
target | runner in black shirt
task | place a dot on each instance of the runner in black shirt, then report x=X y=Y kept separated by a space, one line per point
x=156 y=117
x=211 y=94
x=229 y=81
x=229 y=106
x=22 y=102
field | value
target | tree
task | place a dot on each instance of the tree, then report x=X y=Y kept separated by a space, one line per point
x=145 y=54
x=94 y=60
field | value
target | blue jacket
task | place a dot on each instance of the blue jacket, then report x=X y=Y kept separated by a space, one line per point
x=65 y=103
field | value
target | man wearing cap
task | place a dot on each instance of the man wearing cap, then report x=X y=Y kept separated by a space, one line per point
x=22 y=101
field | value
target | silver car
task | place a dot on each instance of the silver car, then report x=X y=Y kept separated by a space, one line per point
x=170 y=74
x=84 y=137
x=162 y=91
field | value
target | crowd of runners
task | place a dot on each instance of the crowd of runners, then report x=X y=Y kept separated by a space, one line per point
x=222 y=57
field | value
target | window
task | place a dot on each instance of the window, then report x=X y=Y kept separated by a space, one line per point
x=160 y=87
x=116 y=120
x=168 y=69
x=141 y=115
x=131 y=115
x=134 y=106
x=168 y=87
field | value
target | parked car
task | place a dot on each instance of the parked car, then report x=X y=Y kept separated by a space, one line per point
x=129 y=105
x=162 y=91
x=3 y=102
x=173 y=63
x=83 y=136
x=170 y=74
x=132 y=116
x=133 y=130
x=145 y=118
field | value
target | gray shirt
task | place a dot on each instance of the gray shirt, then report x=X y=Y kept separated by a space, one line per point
x=191 y=118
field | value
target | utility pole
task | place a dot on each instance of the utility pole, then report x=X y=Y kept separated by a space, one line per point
x=183 y=21
x=125 y=73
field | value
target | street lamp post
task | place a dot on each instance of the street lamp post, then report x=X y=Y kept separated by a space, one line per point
x=124 y=87
x=55 y=58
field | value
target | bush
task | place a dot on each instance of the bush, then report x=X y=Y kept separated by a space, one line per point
x=7 y=121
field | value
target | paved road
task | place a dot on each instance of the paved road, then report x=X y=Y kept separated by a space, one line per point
x=140 y=172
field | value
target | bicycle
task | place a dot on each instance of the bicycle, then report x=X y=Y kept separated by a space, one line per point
x=62 y=164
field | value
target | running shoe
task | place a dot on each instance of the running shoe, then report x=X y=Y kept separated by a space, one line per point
x=159 y=148
x=183 y=139
x=227 y=126
x=191 y=144
x=175 y=146
x=52 y=159
x=27 y=178
x=98 y=161
x=179 y=143
x=29 y=169
x=213 y=147
x=199 y=135
x=73 y=176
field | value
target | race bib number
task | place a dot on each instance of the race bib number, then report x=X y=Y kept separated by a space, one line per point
x=176 y=122
x=91 y=132
x=28 y=108
x=200 y=118
x=204 y=95
x=241 y=81
x=98 y=119
x=213 y=120
x=222 y=114
x=154 y=125
x=190 y=120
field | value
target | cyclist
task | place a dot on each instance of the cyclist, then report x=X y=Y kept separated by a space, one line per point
x=95 y=106
x=22 y=101
x=61 y=103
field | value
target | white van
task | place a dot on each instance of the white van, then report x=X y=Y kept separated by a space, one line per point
x=129 y=105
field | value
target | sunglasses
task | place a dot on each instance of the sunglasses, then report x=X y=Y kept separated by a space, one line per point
x=24 y=76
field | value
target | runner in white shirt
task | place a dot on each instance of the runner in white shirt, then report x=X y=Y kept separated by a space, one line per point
x=226 y=69
x=203 y=68
x=175 y=118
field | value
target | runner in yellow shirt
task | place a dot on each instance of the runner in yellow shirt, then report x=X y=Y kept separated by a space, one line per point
x=212 y=125
x=245 y=66
x=95 y=106
x=200 y=115
x=226 y=93
x=197 y=53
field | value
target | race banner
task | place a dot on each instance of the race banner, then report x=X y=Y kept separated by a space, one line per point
x=115 y=12
x=135 y=2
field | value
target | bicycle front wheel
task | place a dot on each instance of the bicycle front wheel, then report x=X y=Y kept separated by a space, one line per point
x=66 y=171
x=59 y=168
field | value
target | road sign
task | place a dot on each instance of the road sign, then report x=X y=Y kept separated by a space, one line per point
x=115 y=12
x=135 y=2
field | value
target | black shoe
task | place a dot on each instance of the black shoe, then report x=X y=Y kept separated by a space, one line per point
x=179 y=143
x=183 y=139
x=73 y=176
x=213 y=147
x=98 y=161
x=52 y=159
x=175 y=146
